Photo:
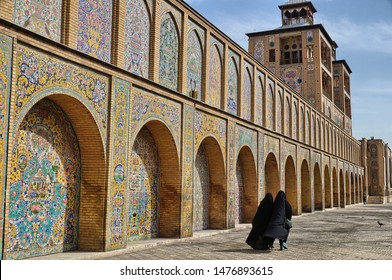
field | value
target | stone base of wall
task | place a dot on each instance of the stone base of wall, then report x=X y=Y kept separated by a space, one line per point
x=377 y=199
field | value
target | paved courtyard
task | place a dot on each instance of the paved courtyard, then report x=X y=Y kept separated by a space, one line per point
x=337 y=234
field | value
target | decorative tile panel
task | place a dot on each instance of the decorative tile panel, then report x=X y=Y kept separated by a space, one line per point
x=168 y=57
x=137 y=38
x=187 y=190
x=44 y=184
x=5 y=89
x=194 y=65
x=214 y=95
x=208 y=125
x=232 y=79
x=247 y=91
x=40 y=16
x=148 y=106
x=39 y=74
x=119 y=165
x=95 y=28
x=143 y=194
x=201 y=190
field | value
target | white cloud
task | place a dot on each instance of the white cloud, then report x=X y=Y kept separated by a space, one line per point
x=373 y=36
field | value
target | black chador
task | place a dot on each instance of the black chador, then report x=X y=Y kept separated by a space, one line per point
x=276 y=227
x=260 y=222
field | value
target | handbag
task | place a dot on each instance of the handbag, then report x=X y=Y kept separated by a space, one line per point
x=289 y=223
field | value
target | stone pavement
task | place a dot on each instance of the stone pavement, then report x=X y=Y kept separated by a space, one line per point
x=351 y=233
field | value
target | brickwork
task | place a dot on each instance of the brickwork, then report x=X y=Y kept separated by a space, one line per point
x=108 y=105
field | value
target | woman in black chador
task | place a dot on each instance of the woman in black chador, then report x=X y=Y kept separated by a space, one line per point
x=276 y=227
x=256 y=238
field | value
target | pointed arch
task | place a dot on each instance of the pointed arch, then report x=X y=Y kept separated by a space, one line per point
x=352 y=191
x=247 y=95
x=214 y=96
x=327 y=187
x=335 y=188
x=347 y=189
x=271 y=175
x=318 y=187
x=216 y=202
x=295 y=121
x=194 y=65
x=57 y=132
x=270 y=114
x=246 y=186
x=302 y=133
x=137 y=30
x=169 y=52
x=232 y=80
x=279 y=113
x=341 y=190
x=158 y=154
x=259 y=101
x=287 y=118
x=291 y=184
x=306 y=191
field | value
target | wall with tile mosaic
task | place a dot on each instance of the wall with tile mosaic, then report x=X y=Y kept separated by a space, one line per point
x=168 y=55
x=239 y=191
x=44 y=185
x=148 y=106
x=232 y=94
x=5 y=89
x=40 y=16
x=118 y=212
x=208 y=125
x=137 y=38
x=143 y=195
x=214 y=96
x=245 y=136
x=51 y=208
x=39 y=75
x=287 y=117
x=194 y=64
x=247 y=91
x=279 y=109
x=200 y=191
x=270 y=106
x=259 y=50
x=188 y=161
x=232 y=172
x=260 y=91
x=292 y=76
x=95 y=28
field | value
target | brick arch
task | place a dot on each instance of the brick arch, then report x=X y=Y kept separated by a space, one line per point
x=318 y=187
x=327 y=187
x=335 y=188
x=306 y=190
x=341 y=189
x=217 y=188
x=271 y=173
x=169 y=205
x=250 y=187
x=353 y=186
x=358 y=189
x=291 y=184
x=347 y=189
x=93 y=187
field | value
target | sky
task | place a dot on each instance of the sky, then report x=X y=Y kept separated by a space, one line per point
x=361 y=28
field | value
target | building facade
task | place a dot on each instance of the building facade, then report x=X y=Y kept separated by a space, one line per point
x=123 y=120
x=377 y=159
x=303 y=55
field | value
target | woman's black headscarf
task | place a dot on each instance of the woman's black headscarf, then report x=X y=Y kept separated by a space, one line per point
x=276 y=226
x=260 y=223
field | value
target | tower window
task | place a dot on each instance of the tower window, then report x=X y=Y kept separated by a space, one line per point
x=272 y=55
